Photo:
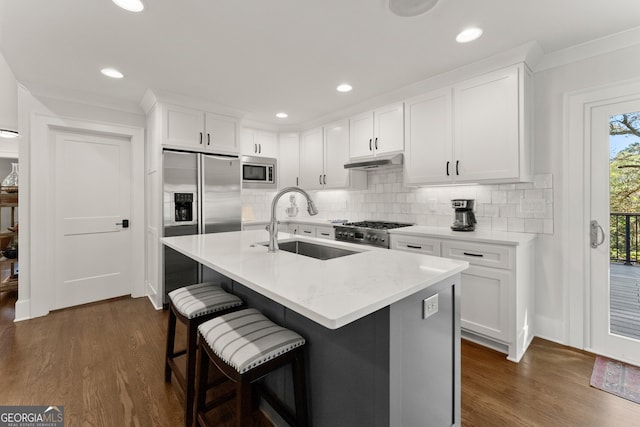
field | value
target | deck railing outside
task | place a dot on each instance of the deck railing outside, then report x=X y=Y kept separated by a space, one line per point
x=624 y=236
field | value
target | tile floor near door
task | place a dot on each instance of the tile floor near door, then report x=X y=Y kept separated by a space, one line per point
x=104 y=363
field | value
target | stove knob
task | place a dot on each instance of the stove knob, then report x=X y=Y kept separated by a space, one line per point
x=368 y=236
x=339 y=233
x=375 y=238
x=351 y=235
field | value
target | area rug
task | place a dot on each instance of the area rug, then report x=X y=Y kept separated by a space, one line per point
x=616 y=378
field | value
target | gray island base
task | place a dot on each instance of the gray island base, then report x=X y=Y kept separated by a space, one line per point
x=382 y=326
x=390 y=368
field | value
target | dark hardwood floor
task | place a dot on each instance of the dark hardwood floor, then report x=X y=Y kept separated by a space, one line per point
x=104 y=363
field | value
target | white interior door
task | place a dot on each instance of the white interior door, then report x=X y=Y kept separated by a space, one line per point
x=607 y=337
x=92 y=198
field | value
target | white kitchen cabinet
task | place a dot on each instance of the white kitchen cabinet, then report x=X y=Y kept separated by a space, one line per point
x=258 y=143
x=288 y=160
x=496 y=289
x=377 y=132
x=293 y=228
x=198 y=130
x=325 y=232
x=323 y=153
x=307 y=230
x=490 y=129
x=311 y=159
x=477 y=131
x=421 y=245
x=428 y=138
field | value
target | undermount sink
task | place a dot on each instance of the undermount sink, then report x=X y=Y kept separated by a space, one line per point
x=313 y=250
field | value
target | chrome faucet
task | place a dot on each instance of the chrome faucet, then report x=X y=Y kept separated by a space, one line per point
x=272 y=228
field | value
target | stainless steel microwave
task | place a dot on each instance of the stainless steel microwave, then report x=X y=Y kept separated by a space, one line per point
x=259 y=172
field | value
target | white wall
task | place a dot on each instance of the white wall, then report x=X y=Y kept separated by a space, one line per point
x=33 y=220
x=551 y=86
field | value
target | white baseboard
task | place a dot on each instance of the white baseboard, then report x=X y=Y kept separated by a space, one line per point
x=153 y=296
x=22 y=310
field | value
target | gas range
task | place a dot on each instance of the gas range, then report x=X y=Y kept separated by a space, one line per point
x=374 y=233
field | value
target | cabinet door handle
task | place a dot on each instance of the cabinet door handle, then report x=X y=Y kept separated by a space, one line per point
x=297 y=181
x=472 y=254
x=255 y=148
x=306 y=231
x=324 y=179
x=448 y=168
x=208 y=139
x=200 y=137
x=414 y=247
x=325 y=234
x=370 y=144
x=259 y=148
x=320 y=179
x=376 y=143
x=457 y=164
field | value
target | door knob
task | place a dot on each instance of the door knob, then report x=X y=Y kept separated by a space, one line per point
x=124 y=223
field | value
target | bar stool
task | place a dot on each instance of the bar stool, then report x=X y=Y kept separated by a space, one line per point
x=193 y=305
x=245 y=346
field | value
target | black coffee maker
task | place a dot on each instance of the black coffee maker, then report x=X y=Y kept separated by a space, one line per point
x=464 y=219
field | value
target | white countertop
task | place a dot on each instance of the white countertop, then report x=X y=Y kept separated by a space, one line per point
x=496 y=237
x=332 y=293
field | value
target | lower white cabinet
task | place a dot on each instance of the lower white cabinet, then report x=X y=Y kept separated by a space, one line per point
x=421 y=245
x=307 y=230
x=496 y=289
x=326 y=232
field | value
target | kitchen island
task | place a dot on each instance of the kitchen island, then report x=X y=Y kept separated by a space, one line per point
x=383 y=327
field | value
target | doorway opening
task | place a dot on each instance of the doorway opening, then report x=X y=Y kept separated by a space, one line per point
x=624 y=232
x=8 y=236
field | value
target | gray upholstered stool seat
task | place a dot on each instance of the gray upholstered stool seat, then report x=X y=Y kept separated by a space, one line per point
x=202 y=298
x=245 y=346
x=192 y=305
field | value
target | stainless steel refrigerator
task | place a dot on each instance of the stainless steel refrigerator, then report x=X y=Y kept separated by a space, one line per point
x=201 y=195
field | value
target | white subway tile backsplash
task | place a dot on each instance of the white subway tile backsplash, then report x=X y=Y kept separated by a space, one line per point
x=522 y=207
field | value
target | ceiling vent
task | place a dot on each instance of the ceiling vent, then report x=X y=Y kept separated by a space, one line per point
x=409 y=8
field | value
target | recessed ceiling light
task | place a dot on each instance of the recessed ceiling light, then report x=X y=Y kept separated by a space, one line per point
x=344 y=87
x=112 y=72
x=469 y=35
x=282 y=115
x=130 y=5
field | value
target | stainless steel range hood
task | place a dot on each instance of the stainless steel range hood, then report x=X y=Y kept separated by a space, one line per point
x=376 y=163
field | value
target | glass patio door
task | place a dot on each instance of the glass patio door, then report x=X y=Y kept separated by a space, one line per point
x=615 y=231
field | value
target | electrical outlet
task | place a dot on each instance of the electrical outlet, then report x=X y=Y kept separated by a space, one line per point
x=430 y=306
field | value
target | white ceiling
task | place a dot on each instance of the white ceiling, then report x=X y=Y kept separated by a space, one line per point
x=265 y=56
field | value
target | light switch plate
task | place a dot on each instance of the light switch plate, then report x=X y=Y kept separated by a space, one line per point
x=430 y=306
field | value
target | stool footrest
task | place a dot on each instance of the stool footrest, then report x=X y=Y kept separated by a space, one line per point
x=179 y=353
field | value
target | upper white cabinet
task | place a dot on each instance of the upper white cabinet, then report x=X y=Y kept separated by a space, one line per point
x=323 y=153
x=289 y=160
x=377 y=132
x=428 y=138
x=198 y=130
x=311 y=159
x=258 y=143
x=475 y=131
